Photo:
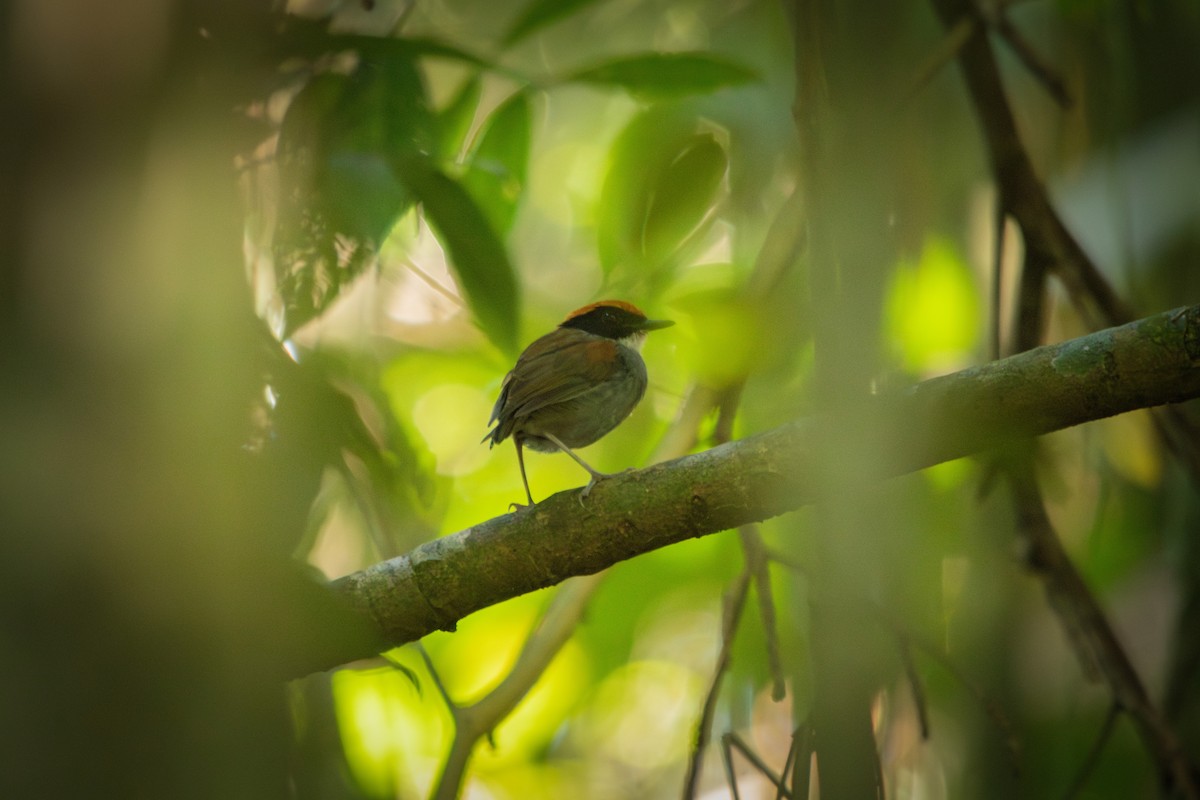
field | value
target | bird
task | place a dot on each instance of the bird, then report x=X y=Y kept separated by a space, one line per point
x=574 y=385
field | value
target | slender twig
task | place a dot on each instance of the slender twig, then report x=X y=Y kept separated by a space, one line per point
x=403 y=669
x=754 y=552
x=732 y=740
x=1022 y=192
x=735 y=600
x=947 y=50
x=957 y=36
x=402 y=19
x=1031 y=300
x=784 y=245
x=432 y=282
x=802 y=746
x=786 y=560
x=766 y=608
x=997 y=298
x=1054 y=85
x=990 y=706
x=471 y=723
x=729 y=400
x=437 y=679
x=1093 y=756
x=730 y=772
x=785 y=242
x=787 y=770
x=758 y=565
x=1092 y=635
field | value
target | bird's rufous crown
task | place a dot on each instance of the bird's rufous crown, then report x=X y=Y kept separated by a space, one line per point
x=621 y=304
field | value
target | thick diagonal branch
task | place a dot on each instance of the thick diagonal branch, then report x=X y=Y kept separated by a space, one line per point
x=1145 y=363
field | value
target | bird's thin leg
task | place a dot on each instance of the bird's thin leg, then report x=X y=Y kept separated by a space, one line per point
x=596 y=474
x=524 y=478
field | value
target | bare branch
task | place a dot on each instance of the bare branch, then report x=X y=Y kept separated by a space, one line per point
x=1021 y=191
x=1147 y=363
x=1093 y=638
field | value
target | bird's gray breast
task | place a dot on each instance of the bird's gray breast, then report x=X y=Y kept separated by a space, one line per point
x=583 y=420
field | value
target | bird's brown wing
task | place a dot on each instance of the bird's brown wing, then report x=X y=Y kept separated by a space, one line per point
x=556 y=368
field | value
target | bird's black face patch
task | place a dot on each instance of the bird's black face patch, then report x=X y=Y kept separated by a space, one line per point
x=608 y=321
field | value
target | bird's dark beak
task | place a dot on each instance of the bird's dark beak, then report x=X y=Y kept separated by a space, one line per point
x=655 y=324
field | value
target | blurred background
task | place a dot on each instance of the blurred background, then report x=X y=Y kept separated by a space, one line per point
x=265 y=265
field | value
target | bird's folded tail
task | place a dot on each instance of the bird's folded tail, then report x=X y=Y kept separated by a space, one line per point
x=494 y=436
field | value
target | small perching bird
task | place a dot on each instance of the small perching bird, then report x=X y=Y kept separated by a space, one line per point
x=575 y=384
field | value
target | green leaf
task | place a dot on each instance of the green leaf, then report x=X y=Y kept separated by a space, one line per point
x=310 y=111
x=625 y=194
x=455 y=120
x=403 y=47
x=658 y=75
x=541 y=13
x=497 y=167
x=682 y=195
x=427 y=48
x=339 y=195
x=662 y=180
x=476 y=253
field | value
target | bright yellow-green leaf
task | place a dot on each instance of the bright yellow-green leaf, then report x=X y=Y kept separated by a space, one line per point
x=721 y=337
x=450 y=418
x=933 y=310
x=389 y=732
x=480 y=653
x=652 y=76
x=565 y=179
x=949 y=474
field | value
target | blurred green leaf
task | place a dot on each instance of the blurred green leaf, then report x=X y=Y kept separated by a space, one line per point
x=497 y=169
x=541 y=13
x=476 y=252
x=319 y=420
x=933 y=309
x=455 y=120
x=339 y=195
x=625 y=194
x=682 y=195
x=661 y=75
x=661 y=182
x=409 y=48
